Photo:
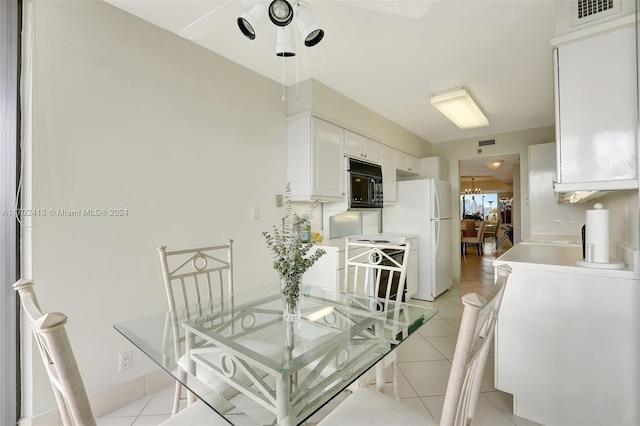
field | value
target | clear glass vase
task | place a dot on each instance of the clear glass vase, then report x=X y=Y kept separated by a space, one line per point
x=291 y=298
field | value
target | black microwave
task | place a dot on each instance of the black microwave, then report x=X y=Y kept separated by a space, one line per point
x=365 y=185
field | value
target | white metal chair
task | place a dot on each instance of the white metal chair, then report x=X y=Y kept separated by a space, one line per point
x=57 y=354
x=477 y=240
x=53 y=342
x=191 y=278
x=371 y=269
x=368 y=407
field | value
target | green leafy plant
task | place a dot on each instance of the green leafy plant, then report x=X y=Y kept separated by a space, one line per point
x=290 y=251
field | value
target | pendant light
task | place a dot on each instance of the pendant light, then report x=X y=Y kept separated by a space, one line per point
x=311 y=33
x=252 y=21
x=281 y=12
x=284 y=42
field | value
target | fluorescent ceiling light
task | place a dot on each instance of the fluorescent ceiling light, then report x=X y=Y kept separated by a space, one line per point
x=458 y=106
x=495 y=165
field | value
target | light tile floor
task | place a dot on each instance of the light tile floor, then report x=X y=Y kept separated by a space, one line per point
x=424 y=362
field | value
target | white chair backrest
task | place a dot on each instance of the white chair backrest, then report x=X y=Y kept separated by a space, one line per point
x=471 y=353
x=59 y=361
x=197 y=275
x=371 y=266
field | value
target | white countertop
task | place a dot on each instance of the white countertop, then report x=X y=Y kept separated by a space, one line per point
x=561 y=258
x=338 y=243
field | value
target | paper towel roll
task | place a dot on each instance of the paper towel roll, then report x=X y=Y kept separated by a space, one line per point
x=597 y=234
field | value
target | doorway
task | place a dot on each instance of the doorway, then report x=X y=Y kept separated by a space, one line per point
x=489 y=192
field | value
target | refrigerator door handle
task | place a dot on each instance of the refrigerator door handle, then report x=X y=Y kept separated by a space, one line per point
x=437 y=226
x=435 y=192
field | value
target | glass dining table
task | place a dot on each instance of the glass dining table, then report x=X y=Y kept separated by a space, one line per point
x=240 y=357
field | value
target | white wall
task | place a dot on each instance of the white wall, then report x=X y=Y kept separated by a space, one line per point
x=506 y=143
x=345 y=112
x=130 y=116
x=624 y=220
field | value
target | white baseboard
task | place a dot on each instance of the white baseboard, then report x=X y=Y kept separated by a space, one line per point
x=111 y=399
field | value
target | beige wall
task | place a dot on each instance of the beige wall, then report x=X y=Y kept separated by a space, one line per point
x=326 y=103
x=130 y=116
x=506 y=143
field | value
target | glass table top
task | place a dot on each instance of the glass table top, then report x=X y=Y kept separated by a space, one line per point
x=240 y=356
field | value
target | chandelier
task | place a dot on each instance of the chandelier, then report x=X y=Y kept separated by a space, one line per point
x=282 y=13
x=473 y=190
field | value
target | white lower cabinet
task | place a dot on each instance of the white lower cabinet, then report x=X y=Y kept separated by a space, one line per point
x=324 y=273
x=566 y=346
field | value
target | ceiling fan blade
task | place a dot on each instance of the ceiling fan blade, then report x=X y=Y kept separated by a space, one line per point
x=204 y=25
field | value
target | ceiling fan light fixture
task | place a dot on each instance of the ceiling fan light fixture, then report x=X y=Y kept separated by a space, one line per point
x=311 y=33
x=458 y=106
x=495 y=165
x=284 y=42
x=253 y=20
x=281 y=12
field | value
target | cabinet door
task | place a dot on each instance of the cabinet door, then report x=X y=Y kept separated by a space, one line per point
x=358 y=146
x=407 y=164
x=387 y=161
x=596 y=103
x=323 y=272
x=352 y=144
x=413 y=164
x=327 y=159
x=370 y=150
x=402 y=161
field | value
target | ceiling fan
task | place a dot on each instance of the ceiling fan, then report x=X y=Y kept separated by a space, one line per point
x=284 y=13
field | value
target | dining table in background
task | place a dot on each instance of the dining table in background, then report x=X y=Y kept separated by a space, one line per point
x=268 y=370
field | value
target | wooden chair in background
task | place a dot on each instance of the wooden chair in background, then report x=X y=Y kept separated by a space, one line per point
x=477 y=240
x=491 y=231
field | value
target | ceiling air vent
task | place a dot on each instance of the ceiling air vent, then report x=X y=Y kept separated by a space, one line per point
x=583 y=11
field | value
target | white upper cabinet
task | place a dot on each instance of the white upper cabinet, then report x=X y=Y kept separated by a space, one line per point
x=434 y=167
x=596 y=112
x=358 y=146
x=315 y=160
x=406 y=164
x=387 y=160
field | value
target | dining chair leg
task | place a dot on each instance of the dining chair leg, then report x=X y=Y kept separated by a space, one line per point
x=176 y=398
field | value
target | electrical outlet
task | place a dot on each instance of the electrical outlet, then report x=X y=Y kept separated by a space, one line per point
x=279 y=200
x=126 y=361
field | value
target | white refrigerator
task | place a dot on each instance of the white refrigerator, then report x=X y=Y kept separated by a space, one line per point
x=424 y=208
